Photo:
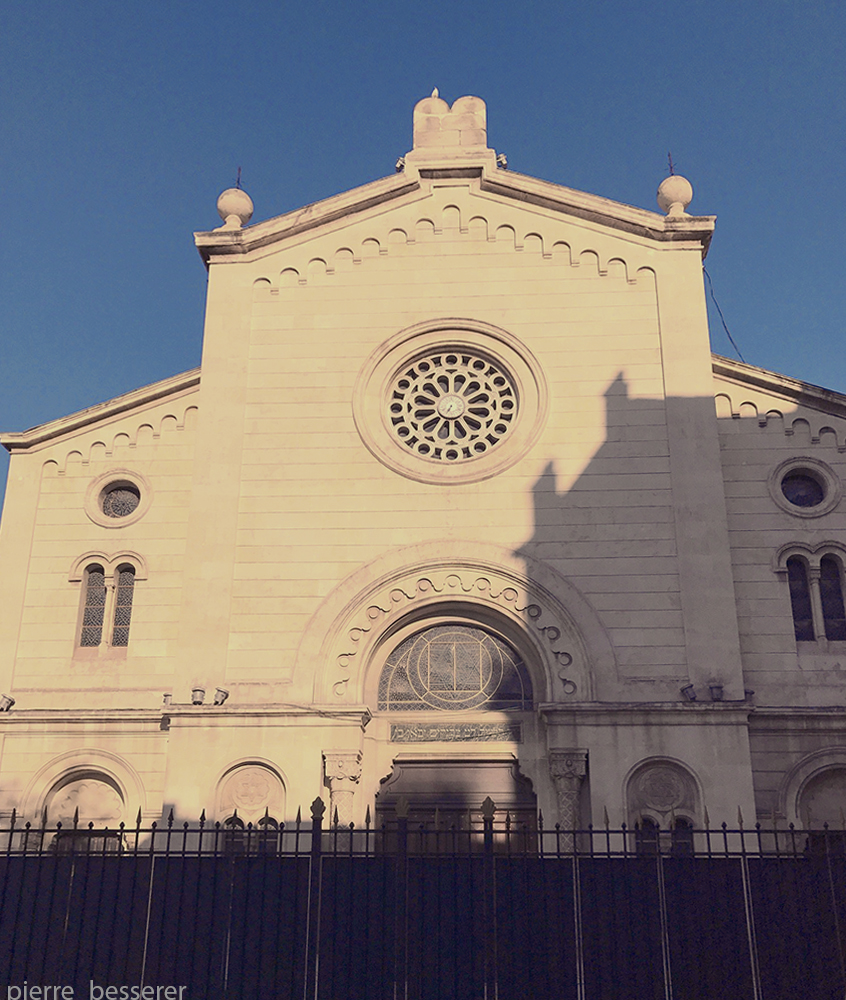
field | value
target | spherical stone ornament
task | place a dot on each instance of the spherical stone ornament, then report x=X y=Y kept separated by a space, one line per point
x=235 y=207
x=675 y=193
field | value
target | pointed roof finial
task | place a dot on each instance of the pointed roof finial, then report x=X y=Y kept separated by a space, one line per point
x=435 y=92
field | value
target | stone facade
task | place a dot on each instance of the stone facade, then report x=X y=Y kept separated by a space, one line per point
x=449 y=488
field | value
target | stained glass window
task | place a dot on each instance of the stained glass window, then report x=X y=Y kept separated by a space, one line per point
x=454 y=667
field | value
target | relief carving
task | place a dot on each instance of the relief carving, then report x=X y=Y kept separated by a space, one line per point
x=498 y=592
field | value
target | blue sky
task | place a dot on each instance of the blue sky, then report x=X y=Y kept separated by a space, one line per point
x=121 y=123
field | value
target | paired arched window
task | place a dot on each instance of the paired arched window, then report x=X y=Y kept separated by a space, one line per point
x=816 y=597
x=106 y=605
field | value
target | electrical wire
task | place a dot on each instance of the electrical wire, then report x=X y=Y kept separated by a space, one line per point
x=722 y=318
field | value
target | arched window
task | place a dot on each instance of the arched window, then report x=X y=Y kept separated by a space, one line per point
x=682 y=836
x=94 y=606
x=106 y=606
x=646 y=836
x=125 y=586
x=815 y=582
x=86 y=808
x=831 y=594
x=800 y=599
x=453 y=667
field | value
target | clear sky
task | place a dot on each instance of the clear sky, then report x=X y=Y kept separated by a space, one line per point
x=121 y=123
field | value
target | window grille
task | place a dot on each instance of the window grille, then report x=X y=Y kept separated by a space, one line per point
x=123 y=605
x=120 y=500
x=94 y=609
x=800 y=599
x=831 y=592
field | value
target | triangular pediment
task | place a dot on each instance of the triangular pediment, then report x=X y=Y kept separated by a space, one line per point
x=450 y=150
x=494 y=185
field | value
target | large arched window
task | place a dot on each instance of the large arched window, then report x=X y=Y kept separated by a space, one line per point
x=454 y=667
x=815 y=581
x=106 y=611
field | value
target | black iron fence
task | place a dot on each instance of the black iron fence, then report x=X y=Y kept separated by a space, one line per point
x=481 y=909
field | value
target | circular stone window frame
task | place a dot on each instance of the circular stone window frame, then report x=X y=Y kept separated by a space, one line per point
x=452 y=335
x=823 y=473
x=113 y=479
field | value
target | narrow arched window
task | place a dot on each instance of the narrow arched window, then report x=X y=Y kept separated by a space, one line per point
x=831 y=593
x=123 y=605
x=682 y=836
x=647 y=836
x=94 y=608
x=800 y=599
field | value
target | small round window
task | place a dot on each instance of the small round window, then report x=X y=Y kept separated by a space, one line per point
x=802 y=489
x=805 y=487
x=120 y=500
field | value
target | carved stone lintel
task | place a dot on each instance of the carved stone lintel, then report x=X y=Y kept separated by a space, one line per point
x=341 y=773
x=567 y=768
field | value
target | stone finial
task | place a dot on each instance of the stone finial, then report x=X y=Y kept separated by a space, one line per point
x=462 y=126
x=675 y=193
x=235 y=207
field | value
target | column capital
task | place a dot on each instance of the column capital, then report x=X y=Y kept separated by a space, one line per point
x=567 y=763
x=342 y=765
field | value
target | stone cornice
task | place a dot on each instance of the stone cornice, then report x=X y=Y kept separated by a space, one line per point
x=171 y=387
x=792 y=389
x=222 y=243
x=603 y=211
x=231 y=244
x=646 y=713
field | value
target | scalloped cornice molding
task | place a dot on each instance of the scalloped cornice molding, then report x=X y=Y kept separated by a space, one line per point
x=138 y=399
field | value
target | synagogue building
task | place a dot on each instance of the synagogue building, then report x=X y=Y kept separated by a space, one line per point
x=458 y=505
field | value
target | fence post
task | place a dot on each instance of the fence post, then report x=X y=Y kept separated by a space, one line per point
x=489 y=900
x=312 y=944
x=401 y=903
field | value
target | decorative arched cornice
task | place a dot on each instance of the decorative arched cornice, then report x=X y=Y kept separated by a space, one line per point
x=810 y=553
x=569 y=642
x=109 y=563
x=452 y=223
x=88 y=761
x=796 y=779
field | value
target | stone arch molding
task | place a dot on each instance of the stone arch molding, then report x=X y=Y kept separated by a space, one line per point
x=87 y=762
x=797 y=779
x=250 y=788
x=662 y=789
x=568 y=645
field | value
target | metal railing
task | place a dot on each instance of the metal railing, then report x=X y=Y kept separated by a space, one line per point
x=471 y=906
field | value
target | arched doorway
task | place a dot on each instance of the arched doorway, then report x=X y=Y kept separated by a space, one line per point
x=457 y=682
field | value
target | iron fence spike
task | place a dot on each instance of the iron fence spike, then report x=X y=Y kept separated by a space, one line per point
x=605 y=817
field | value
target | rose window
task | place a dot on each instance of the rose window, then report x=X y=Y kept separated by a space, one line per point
x=449 y=407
